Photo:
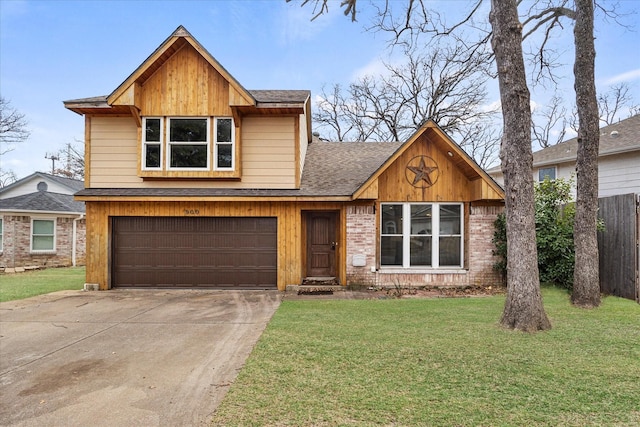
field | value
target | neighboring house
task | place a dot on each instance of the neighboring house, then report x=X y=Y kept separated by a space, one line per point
x=41 y=225
x=618 y=161
x=194 y=181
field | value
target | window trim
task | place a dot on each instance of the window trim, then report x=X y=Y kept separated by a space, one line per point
x=145 y=143
x=555 y=172
x=435 y=237
x=54 y=235
x=1 y=233
x=170 y=143
x=217 y=143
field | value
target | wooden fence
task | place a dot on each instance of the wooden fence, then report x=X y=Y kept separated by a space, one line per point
x=618 y=246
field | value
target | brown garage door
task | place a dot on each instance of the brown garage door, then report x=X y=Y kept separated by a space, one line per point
x=194 y=252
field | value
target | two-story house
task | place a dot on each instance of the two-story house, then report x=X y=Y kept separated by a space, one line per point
x=194 y=181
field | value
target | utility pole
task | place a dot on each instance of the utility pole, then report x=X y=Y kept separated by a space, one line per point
x=53 y=158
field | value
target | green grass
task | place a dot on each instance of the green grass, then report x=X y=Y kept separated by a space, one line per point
x=32 y=283
x=439 y=362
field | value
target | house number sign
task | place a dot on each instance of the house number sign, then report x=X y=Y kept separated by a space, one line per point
x=422 y=171
x=192 y=211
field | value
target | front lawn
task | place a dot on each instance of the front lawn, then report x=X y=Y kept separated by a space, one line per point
x=32 y=283
x=439 y=362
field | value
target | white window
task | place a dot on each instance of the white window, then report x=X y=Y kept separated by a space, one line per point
x=43 y=235
x=426 y=235
x=152 y=143
x=224 y=144
x=549 y=172
x=188 y=143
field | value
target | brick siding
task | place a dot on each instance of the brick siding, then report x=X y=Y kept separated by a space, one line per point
x=16 y=238
x=362 y=240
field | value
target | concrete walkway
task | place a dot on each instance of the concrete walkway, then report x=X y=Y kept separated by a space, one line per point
x=125 y=357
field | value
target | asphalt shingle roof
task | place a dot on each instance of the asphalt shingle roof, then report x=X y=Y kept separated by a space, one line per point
x=42 y=201
x=619 y=137
x=261 y=96
x=335 y=169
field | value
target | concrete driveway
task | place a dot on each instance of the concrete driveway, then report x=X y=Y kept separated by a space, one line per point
x=125 y=357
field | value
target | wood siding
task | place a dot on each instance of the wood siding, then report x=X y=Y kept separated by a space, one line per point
x=291 y=240
x=166 y=94
x=452 y=185
x=268 y=155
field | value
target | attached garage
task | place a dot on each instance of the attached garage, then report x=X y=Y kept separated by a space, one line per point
x=194 y=252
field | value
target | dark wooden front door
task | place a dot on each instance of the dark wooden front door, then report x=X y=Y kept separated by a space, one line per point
x=321 y=244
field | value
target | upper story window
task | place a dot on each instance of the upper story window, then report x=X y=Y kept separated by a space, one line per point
x=549 y=172
x=152 y=143
x=188 y=143
x=43 y=235
x=185 y=143
x=421 y=235
x=224 y=144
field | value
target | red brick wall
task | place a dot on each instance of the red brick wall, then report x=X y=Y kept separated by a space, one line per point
x=16 y=238
x=362 y=239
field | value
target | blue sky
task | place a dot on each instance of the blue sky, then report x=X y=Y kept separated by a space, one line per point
x=55 y=50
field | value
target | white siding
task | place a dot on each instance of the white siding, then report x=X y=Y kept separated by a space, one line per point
x=619 y=174
x=31 y=186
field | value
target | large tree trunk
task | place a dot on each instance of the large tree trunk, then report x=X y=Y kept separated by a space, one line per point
x=586 y=275
x=523 y=308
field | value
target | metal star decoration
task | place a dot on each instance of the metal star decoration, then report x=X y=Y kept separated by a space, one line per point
x=425 y=171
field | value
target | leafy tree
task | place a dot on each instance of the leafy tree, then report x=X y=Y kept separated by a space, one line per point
x=554 y=217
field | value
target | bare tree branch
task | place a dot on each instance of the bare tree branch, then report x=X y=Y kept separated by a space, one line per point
x=13 y=127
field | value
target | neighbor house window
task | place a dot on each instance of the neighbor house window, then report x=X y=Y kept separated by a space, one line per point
x=546 y=173
x=43 y=235
x=421 y=235
x=152 y=143
x=1 y=234
x=224 y=144
x=188 y=143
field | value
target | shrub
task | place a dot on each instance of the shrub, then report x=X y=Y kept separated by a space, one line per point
x=555 y=215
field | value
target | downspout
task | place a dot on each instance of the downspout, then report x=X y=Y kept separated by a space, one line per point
x=73 y=244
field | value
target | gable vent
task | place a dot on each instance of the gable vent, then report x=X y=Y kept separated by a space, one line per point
x=42 y=186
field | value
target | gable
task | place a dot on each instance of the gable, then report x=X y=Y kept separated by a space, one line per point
x=177 y=72
x=447 y=173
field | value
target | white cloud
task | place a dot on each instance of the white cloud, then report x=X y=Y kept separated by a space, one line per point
x=624 y=77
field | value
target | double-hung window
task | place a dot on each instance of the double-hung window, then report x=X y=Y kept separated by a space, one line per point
x=152 y=143
x=43 y=235
x=427 y=235
x=188 y=143
x=224 y=144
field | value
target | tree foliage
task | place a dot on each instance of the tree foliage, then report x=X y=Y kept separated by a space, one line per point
x=554 y=218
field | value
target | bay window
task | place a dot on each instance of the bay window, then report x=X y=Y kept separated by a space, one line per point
x=427 y=235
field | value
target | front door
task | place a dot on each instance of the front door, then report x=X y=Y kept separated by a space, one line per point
x=321 y=244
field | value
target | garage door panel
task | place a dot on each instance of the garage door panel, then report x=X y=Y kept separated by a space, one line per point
x=188 y=252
